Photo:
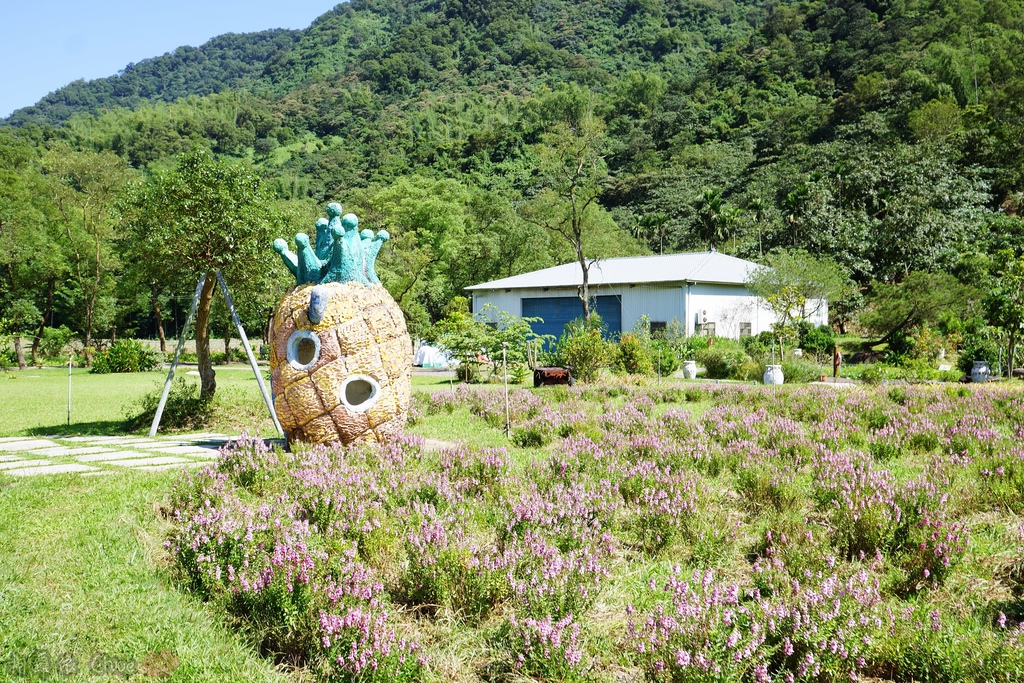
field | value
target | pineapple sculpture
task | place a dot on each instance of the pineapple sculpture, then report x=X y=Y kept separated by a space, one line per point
x=340 y=354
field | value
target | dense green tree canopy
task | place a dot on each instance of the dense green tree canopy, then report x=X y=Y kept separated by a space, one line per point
x=201 y=217
x=887 y=137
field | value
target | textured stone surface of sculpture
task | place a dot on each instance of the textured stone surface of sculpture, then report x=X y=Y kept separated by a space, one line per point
x=340 y=355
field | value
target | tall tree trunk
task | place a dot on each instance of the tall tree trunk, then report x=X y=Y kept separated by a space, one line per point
x=46 y=315
x=36 y=338
x=207 y=378
x=1013 y=352
x=585 y=289
x=87 y=351
x=159 y=322
x=19 y=352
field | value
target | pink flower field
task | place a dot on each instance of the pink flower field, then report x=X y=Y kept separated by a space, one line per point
x=680 y=533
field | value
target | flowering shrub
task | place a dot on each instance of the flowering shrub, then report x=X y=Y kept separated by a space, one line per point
x=547 y=649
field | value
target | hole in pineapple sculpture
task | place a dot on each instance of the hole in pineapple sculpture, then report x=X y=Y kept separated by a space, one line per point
x=303 y=349
x=359 y=393
x=306 y=351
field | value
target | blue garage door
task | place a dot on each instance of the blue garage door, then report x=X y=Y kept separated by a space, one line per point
x=556 y=311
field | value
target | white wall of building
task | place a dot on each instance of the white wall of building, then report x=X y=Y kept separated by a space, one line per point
x=727 y=306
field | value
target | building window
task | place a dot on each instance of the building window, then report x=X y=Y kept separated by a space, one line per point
x=745 y=330
x=708 y=329
x=658 y=328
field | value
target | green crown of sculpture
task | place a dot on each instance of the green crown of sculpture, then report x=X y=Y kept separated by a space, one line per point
x=341 y=253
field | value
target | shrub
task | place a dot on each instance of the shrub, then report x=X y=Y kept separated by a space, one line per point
x=54 y=340
x=799 y=371
x=977 y=347
x=184 y=408
x=125 y=355
x=758 y=346
x=518 y=372
x=727 y=363
x=530 y=437
x=582 y=349
x=633 y=355
x=663 y=358
x=818 y=340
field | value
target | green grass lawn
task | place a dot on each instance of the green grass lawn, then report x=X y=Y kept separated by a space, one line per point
x=86 y=593
x=35 y=400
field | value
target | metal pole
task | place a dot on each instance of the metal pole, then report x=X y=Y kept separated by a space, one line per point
x=249 y=353
x=71 y=358
x=504 y=367
x=177 y=357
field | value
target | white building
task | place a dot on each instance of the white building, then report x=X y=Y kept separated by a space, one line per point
x=705 y=291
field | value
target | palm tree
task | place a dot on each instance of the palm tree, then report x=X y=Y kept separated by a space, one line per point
x=759 y=208
x=712 y=230
x=649 y=225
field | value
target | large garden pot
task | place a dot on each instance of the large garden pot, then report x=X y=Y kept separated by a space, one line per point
x=773 y=374
x=980 y=371
x=689 y=369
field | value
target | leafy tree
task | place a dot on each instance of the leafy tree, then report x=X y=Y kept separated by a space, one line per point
x=204 y=215
x=573 y=172
x=19 y=316
x=26 y=258
x=465 y=335
x=795 y=285
x=1005 y=301
x=922 y=298
x=84 y=187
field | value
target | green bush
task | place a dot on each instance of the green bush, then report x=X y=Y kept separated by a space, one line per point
x=582 y=348
x=690 y=348
x=758 y=346
x=518 y=372
x=726 y=363
x=978 y=347
x=54 y=340
x=183 y=410
x=125 y=355
x=818 y=340
x=663 y=358
x=633 y=355
x=799 y=371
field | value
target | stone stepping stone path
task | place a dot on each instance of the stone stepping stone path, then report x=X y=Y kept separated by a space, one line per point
x=28 y=456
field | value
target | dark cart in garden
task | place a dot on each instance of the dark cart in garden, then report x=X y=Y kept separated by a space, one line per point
x=552 y=375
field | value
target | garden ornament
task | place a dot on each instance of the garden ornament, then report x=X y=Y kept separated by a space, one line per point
x=341 y=357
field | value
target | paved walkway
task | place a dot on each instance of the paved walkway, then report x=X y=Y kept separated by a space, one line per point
x=98 y=455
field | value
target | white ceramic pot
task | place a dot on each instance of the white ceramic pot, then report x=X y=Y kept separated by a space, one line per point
x=689 y=369
x=773 y=374
x=980 y=371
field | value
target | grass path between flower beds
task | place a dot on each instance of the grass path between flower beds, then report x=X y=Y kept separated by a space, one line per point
x=86 y=594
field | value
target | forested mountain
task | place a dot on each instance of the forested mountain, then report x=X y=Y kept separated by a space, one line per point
x=887 y=135
x=227 y=61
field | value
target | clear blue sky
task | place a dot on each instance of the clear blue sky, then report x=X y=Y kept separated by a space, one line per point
x=45 y=44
